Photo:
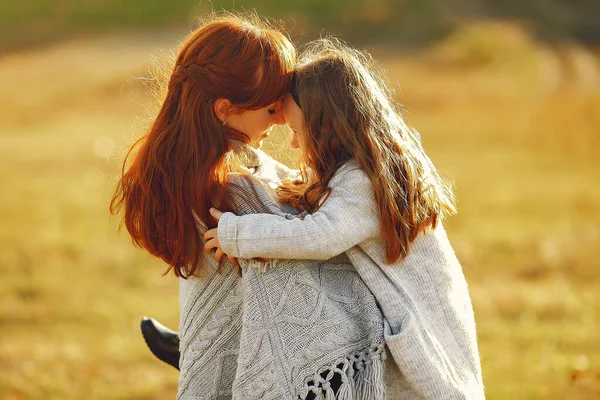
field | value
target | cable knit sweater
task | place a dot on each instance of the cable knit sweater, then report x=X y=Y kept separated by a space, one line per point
x=430 y=327
x=288 y=333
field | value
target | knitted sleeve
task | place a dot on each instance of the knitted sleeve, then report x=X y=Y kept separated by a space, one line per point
x=348 y=217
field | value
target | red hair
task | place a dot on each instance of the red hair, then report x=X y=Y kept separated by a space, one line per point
x=178 y=170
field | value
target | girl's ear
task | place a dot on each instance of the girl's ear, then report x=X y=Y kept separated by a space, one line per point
x=223 y=109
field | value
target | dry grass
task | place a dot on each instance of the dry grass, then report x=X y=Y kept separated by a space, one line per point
x=517 y=128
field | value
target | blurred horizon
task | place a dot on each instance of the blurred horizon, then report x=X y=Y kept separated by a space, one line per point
x=405 y=23
x=507 y=101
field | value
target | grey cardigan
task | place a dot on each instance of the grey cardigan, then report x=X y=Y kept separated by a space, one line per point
x=283 y=333
x=430 y=326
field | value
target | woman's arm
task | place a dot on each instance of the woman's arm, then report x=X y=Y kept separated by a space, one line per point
x=348 y=217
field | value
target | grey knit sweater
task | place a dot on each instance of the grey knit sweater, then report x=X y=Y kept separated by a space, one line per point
x=429 y=322
x=283 y=334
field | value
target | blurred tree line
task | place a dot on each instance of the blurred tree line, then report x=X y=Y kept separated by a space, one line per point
x=402 y=22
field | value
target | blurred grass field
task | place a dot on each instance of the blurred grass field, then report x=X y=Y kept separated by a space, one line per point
x=515 y=124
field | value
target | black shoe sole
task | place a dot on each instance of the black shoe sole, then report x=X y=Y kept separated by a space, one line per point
x=162 y=342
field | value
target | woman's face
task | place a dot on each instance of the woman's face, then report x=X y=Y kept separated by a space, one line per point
x=257 y=124
x=294 y=117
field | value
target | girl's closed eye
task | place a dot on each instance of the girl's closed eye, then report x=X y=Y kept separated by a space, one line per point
x=272 y=111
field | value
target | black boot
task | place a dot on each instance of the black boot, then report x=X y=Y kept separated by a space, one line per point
x=162 y=341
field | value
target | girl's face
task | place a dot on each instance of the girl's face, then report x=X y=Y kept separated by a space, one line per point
x=294 y=117
x=257 y=124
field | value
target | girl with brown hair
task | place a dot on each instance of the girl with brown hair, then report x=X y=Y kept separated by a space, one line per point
x=370 y=192
x=311 y=329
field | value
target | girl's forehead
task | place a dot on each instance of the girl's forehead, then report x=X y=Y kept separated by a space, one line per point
x=292 y=113
x=289 y=104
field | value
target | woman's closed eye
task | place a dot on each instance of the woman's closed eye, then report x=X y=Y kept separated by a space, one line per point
x=272 y=111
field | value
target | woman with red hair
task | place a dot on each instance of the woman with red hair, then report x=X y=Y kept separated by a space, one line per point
x=225 y=90
x=302 y=330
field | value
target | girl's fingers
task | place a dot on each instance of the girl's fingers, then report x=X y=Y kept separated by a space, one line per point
x=218 y=254
x=209 y=234
x=209 y=245
x=215 y=213
x=234 y=261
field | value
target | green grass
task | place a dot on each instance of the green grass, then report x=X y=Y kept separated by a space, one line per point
x=520 y=147
x=36 y=22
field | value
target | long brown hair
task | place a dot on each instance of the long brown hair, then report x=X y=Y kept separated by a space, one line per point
x=349 y=114
x=178 y=170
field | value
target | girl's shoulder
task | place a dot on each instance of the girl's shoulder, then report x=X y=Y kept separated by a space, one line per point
x=350 y=173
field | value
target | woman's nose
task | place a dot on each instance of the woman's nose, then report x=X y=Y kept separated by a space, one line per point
x=278 y=118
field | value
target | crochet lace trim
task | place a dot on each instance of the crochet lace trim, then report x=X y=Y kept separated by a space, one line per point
x=361 y=378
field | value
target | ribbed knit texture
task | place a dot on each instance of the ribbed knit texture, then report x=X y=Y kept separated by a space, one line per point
x=430 y=326
x=285 y=334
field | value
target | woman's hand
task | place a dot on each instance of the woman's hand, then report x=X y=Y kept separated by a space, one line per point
x=211 y=240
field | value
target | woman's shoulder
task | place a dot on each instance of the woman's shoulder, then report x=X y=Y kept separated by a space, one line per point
x=244 y=181
x=243 y=187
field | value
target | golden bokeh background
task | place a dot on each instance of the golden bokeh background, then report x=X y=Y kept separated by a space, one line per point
x=507 y=100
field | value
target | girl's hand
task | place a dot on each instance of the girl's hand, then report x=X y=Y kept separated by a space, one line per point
x=215 y=213
x=211 y=240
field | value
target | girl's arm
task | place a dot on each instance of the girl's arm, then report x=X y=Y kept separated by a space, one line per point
x=348 y=217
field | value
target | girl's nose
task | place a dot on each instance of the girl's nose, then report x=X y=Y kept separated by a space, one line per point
x=294 y=144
